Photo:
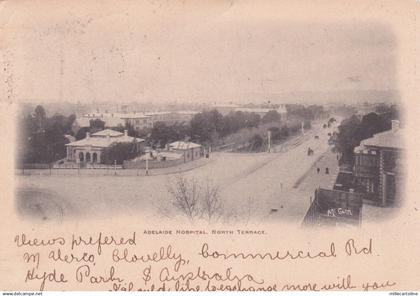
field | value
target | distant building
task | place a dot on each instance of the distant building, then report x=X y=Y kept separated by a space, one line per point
x=227 y=108
x=91 y=148
x=111 y=120
x=262 y=111
x=171 y=117
x=189 y=150
x=138 y=121
x=378 y=169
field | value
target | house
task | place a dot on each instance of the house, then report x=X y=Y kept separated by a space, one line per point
x=378 y=169
x=189 y=150
x=91 y=148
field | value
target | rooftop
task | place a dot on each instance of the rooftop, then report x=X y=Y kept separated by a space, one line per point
x=388 y=139
x=392 y=138
x=183 y=145
x=101 y=139
x=107 y=132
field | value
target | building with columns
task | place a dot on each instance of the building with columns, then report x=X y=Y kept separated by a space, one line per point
x=91 y=148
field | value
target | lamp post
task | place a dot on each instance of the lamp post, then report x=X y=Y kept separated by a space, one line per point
x=147 y=162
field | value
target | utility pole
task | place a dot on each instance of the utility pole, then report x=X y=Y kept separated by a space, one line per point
x=269 y=140
x=115 y=166
x=147 y=162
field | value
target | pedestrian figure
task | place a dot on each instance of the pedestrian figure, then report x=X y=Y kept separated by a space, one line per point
x=327 y=171
x=317 y=170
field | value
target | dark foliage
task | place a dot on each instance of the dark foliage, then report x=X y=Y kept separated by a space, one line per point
x=42 y=139
x=120 y=152
x=271 y=116
x=96 y=125
x=353 y=130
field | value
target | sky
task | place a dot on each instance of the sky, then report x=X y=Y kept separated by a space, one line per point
x=215 y=51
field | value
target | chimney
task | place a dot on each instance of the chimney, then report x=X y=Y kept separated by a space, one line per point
x=87 y=135
x=125 y=132
x=395 y=125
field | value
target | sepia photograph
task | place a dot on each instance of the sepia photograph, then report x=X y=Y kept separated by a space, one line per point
x=214 y=145
x=226 y=121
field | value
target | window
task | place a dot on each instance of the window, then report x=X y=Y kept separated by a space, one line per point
x=370 y=186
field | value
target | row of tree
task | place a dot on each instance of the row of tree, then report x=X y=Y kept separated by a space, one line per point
x=43 y=139
x=208 y=127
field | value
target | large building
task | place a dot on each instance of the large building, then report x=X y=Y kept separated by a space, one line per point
x=378 y=169
x=91 y=148
x=171 y=117
x=138 y=120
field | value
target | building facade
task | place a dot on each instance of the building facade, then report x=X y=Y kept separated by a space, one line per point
x=138 y=121
x=90 y=149
x=189 y=150
x=378 y=170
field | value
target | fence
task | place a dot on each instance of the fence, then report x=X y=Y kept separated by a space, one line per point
x=34 y=166
x=153 y=164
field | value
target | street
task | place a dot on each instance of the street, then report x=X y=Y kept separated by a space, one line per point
x=254 y=187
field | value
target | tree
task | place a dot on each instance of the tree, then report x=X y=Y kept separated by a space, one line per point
x=389 y=110
x=256 y=142
x=162 y=134
x=196 y=199
x=120 y=152
x=348 y=138
x=206 y=126
x=81 y=133
x=284 y=132
x=96 y=125
x=211 y=204
x=271 y=116
x=353 y=130
x=40 y=117
x=185 y=195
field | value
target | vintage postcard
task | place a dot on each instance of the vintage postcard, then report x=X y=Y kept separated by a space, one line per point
x=209 y=145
